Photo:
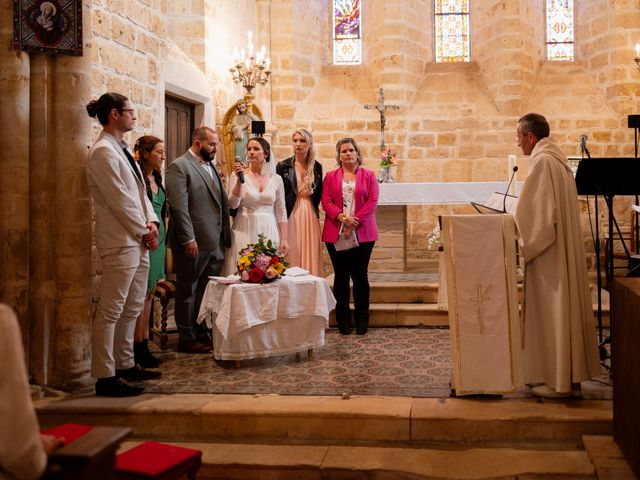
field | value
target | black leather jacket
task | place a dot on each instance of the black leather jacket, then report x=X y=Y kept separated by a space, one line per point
x=287 y=171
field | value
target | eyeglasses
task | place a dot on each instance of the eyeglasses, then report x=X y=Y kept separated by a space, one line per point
x=130 y=110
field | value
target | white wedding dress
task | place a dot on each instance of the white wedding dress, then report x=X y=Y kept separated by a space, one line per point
x=258 y=212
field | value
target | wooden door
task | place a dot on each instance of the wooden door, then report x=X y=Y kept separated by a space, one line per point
x=178 y=126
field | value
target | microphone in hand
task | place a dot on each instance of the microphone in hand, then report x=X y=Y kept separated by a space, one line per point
x=240 y=174
x=506 y=194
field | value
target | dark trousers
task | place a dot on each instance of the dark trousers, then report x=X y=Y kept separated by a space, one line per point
x=192 y=276
x=351 y=264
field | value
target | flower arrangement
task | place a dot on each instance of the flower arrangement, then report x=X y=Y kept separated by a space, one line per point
x=388 y=159
x=261 y=262
x=433 y=239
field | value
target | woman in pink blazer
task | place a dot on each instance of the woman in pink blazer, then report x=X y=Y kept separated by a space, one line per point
x=350 y=199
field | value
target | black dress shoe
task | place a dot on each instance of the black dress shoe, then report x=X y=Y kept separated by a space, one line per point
x=191 y=346
x=137 y=374
x=361 y=329
x=116 y=387
x=345 y=330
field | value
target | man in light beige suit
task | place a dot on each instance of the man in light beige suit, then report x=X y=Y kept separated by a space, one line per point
x=126 y=227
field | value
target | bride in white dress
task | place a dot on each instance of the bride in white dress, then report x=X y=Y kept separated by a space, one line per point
x=260 y=203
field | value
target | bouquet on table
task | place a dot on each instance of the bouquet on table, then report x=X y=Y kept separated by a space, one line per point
x=261 y=262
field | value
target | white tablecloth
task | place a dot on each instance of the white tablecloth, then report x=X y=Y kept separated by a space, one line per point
x=439 y=193
x=261 y=320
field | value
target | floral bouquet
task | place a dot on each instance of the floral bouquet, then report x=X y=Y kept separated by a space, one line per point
x=261 y=262
x=388 y=159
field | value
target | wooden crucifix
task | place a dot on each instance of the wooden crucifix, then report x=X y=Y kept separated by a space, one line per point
x=382 y=108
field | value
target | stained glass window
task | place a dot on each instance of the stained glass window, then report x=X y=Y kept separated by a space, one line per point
x=452 y=30
x=347 y=32
x=560 y=30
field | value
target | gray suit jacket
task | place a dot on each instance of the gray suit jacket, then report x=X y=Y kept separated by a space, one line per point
x=119 y=197
x=198 y=207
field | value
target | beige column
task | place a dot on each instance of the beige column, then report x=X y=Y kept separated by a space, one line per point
x=71 y=138
x=14 y=172
x=45 y=226
x=42 y=185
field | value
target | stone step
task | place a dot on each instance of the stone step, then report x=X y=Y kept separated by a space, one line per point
x=403 y=315
x=410 y=299
x=259 y=461
x=422 y=315
x=333 y=419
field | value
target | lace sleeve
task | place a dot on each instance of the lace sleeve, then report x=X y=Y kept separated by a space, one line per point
x=234 y=202
x=280 y=206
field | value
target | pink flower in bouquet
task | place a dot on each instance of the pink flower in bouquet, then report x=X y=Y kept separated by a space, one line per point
x=245 y=276
x=262 y=261
x=255 y=275
x=270 y=273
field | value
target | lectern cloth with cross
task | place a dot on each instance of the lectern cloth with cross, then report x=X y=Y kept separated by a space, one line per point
x=486 y=334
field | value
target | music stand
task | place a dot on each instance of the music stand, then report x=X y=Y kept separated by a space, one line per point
x=607 y=177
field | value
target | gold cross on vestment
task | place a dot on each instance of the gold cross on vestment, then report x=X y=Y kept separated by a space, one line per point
x=382 y=108
x=479 y=299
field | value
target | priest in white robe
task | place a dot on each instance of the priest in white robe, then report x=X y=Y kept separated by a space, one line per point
x=560 y=347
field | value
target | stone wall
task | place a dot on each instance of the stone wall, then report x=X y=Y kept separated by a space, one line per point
x=457 y=121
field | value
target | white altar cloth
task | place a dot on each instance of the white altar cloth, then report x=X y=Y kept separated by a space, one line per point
x=260 y=320
x=439 y=193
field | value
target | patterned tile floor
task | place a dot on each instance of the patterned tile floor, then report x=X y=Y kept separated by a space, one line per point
x=412 y=362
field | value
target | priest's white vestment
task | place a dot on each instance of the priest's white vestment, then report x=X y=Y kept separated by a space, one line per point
x=559 y=331
x=486 y=339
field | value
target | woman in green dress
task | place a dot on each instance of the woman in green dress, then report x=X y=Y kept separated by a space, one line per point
x=149 y=152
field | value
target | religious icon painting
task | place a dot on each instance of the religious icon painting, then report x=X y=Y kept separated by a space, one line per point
x=49 y=26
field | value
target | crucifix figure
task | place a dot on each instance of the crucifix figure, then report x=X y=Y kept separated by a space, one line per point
x=382 y=108
x=479 y=299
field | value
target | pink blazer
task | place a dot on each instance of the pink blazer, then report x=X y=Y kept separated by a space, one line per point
x=366 y=197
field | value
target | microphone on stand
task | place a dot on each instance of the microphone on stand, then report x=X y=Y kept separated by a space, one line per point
x=240 y=174
x=583 y=146
x=504 y=201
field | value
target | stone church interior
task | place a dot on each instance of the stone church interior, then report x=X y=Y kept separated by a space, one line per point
x=435 y=89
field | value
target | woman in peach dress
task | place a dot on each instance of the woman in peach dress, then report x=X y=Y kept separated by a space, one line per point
x=302 y=178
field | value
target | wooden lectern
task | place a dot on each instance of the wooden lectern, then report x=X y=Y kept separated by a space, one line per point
x=486 y=333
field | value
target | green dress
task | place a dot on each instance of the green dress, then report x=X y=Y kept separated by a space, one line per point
x=156 y=257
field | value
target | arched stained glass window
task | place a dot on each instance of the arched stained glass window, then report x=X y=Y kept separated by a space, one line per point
x=452 y=30
x=347 y=32
x=560 y=30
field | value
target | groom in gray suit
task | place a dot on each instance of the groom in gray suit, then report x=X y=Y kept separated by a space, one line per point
x=198 y=233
